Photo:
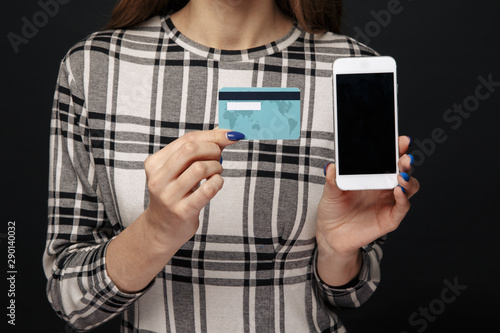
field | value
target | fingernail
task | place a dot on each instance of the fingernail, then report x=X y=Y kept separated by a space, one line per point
x=405 y=176
x=411 y=141
x=326 y=166
x=235 y=136
x=412 y=159
x=220 y=161
x=402 y=189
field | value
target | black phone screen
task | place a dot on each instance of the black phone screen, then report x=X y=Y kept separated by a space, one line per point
x=366 y=123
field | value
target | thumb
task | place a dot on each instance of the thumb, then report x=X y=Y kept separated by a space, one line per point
x=331 y=189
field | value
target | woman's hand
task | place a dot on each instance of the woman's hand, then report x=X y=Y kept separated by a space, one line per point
x=173 y=178
x=139 y=252
x=348 y=220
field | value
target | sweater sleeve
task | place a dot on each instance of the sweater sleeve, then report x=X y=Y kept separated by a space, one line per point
x=359 y=291
x=79 y=230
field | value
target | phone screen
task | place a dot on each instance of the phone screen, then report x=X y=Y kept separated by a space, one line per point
x=366 y=123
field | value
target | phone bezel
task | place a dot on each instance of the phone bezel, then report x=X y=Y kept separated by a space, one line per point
x=360 y=65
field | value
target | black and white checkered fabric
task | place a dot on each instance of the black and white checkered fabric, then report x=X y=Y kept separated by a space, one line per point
x=123 y=95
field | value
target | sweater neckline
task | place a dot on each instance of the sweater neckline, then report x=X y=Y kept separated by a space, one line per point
x=229 y=55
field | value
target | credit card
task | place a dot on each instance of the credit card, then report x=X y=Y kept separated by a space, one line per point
x=261 y=113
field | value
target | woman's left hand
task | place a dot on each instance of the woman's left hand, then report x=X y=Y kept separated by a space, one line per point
x=349 y=220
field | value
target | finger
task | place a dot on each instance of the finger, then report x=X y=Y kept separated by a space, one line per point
x=181 y=159
x=400 y=209
x=191 y=178
x=404 y=143
x=331 y=190
x=220 y=137
x=409 y=184
x=405 y=163
x=206 y=192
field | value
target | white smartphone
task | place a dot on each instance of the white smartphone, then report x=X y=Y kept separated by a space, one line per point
x=366 y=123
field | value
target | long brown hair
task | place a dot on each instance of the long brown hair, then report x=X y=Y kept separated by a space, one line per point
x=315 y=16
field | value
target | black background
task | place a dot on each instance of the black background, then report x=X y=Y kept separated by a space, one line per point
x=451 y=232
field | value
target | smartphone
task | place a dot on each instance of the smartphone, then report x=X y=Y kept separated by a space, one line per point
x=366 y=123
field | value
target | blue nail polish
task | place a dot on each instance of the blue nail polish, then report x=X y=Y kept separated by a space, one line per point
x=235 y=136
x=412 y=159
x=405 y=176
x=411 y=141
x=402 y=189
x=220 y=160
x=324 y=169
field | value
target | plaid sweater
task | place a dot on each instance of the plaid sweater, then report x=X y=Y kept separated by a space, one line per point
x=124 y=94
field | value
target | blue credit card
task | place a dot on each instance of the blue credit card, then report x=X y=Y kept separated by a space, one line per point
x=261 y=113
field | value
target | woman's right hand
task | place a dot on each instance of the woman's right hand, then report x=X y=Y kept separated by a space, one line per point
x=139 y=252
x=173 y=178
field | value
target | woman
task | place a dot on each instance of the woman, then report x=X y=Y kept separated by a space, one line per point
x=140 y=222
